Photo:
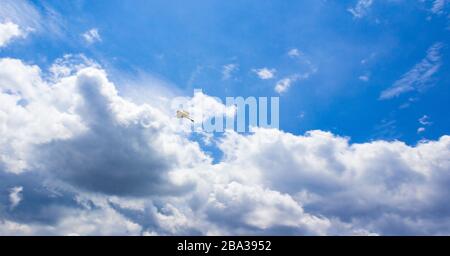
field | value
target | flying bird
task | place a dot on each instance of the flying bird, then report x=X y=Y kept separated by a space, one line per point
x=184 y=114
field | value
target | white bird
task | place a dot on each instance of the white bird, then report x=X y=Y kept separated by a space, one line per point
x=184 y=114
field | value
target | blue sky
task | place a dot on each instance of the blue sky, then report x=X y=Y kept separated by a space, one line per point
x=364 y=98
x=188 y=45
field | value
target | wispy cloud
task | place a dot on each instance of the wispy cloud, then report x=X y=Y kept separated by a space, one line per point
x=227 y=70
x=424 y=121
x=29 y=18
x=369 y=58
x=309 y=68
x=265 y=73
x=438 y=6
x=360 y=9
x=284 y=84
x=387 y=130
x=91 y=36
x=364 y=78
x=421 y=129
x=20 y=12
x=419 y=76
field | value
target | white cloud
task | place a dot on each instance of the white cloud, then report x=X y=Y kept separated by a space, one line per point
x=419 y=77
x=91 y=36
x=227 y=70
x=9 y=31
x=361 y=8
x=364 y=78
x=31 y=112
x=322 y=171
x=304 y=63
x=294 y=52
x=15 y=196
x=70 y=113
x=202 y=107
x=424 y=121
x=261 y=209
x=284 y=84
x=265 y=73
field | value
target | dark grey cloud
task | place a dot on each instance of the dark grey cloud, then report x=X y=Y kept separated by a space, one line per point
x=109 y=157
x=41 y=202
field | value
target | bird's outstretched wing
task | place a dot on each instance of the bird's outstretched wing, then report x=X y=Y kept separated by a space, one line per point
x=184 y=114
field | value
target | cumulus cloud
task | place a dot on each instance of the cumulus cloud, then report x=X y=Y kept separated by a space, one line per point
x=83 y=113
x=120 y=156
x=91 y=167
x=31 y=112
x=257 y=209
x=9 y=31
x=361 y=8
x=335 y=179
x=318 y=183
x=419 y=77
x=91 y=36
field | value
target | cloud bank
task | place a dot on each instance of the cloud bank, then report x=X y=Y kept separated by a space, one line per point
x=75 y=158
